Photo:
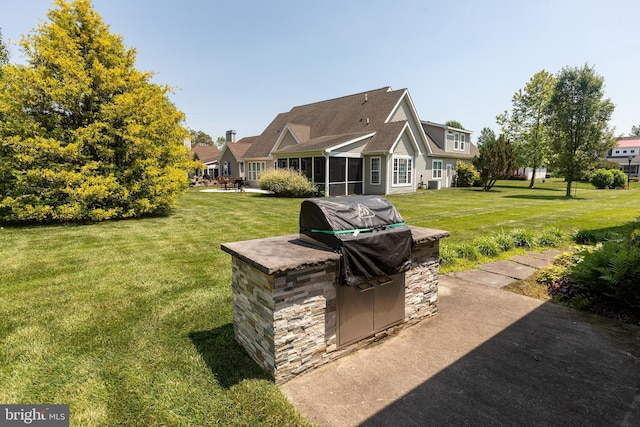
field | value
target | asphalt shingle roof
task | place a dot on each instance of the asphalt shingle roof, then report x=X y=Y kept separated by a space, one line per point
x=338 y=119
x=205 y=153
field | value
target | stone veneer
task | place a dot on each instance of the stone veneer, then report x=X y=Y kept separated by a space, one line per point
x=284 y=299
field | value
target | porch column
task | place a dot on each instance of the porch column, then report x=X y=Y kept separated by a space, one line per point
x=326 y=175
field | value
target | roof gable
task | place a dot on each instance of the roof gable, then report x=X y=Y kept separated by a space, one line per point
x=205 y=153
x=326 y=143
x=361 y=112
x=412 y=138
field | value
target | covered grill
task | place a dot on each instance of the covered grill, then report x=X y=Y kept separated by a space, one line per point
x=367 y=231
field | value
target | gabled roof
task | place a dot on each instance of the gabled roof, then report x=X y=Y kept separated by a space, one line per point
x=238 y=149
x=325 y=142
x=205 y=153
x=332 y=121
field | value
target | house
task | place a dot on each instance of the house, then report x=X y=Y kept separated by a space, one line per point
x=231 y=157
x=208 y=155
x=449 y=145
x=368 y=143
x=626 y=153
x=527 y=173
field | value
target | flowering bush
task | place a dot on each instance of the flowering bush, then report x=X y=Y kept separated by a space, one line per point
x=286 y=183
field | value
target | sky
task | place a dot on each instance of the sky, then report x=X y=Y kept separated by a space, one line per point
x=236 y=64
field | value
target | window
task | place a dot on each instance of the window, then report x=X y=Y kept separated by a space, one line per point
x=456 y=141
x=436 y=169
x=402 y=171
x=375 y=170
x=254 y=169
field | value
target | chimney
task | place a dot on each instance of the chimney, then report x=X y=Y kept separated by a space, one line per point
x=231 y=136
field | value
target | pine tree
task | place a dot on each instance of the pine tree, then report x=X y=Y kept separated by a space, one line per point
x=85 y=135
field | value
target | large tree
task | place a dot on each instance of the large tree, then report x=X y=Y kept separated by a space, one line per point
x=579 y=119
x=635 y=130
x=200 y=137
x=85 y=135
x=4 y=53
x=526 y=125
x=454 y=124
x=496 y=159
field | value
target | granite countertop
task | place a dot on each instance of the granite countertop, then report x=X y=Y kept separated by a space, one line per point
x=285 y=253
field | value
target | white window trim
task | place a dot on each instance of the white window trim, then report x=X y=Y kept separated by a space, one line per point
x=409 y=161
x=254 y=169
x=379 y=170
x=434 y=169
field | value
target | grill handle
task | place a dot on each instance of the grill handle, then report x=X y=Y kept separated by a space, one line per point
x=384 y=280
x=364 y=287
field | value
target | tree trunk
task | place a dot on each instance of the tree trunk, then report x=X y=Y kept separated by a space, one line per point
x=533 y=178
x=568 y=194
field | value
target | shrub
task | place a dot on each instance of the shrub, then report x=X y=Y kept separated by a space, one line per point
x=562 y=290
x=549 y=275
x=619 y=178
x=85 y=136
x=602 y=178
x=466 y=175
x=487 y=246
x=504 y=240
x=467 y=251
x=589 y=237
x=286 y=183
x=585 y=237
x=610 y=276
x=551 y=237
x=522 y=238
x=567 y=259
x=448 y=254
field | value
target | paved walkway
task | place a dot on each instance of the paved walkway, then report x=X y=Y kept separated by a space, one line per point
x=489 y=357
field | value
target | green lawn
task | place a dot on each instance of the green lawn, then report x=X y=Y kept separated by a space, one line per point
x=130 y=322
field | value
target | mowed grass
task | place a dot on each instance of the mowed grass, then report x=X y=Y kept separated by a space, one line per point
x=130 y=322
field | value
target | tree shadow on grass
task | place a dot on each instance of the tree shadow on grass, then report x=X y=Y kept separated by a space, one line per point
x=226 y=359
x=542 y=197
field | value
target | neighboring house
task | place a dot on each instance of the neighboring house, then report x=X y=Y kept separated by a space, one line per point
x=526 y=173
x=231 y=158
x=208 y=155
x=449 y=146
x=368 y=143
x=626 y=153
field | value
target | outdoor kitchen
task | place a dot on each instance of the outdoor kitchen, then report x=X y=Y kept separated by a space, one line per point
x=355 y=274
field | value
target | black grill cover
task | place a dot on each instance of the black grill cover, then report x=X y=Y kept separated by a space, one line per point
x=368 y=231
